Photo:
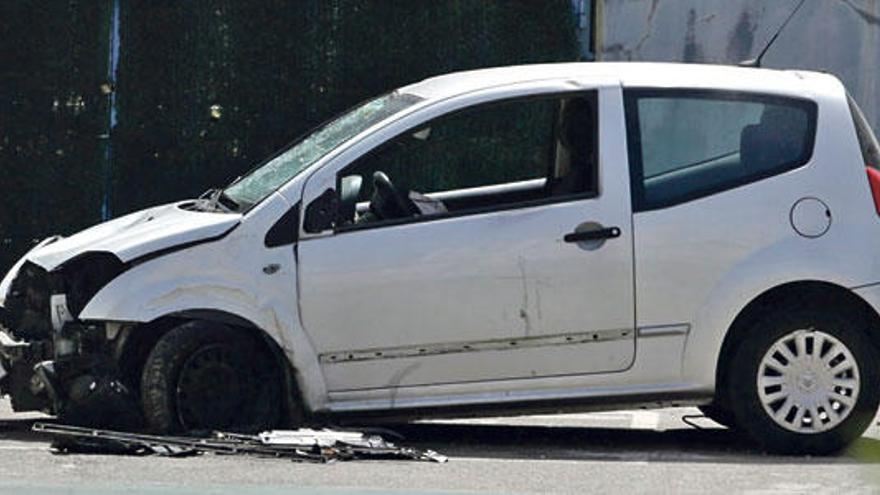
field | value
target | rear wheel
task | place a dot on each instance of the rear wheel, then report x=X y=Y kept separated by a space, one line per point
x=207 y=376
x=805 y=381
x=720 y=415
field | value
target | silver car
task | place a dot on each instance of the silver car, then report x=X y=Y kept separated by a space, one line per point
x=524 y=239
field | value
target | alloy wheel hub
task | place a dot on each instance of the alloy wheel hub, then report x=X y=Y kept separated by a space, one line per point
x=808 y=381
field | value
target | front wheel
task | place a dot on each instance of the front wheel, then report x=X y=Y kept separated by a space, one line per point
x=804 y=382
x=207 y=376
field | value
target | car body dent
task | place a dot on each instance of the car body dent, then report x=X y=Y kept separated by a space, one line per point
x=200 y=278
x=137 y=234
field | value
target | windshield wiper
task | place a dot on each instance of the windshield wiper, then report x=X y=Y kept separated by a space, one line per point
x=218 y=200
x=226 y=201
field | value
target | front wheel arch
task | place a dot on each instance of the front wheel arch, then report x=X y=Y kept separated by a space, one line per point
x=138 y=341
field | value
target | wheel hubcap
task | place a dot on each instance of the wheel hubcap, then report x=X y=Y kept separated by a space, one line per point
x=808 y=381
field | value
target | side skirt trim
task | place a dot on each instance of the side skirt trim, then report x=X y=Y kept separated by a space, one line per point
x=475 y=346
x=664 y=330
x=536 y=402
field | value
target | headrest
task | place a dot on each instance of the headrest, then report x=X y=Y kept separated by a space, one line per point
x=777 y=140
x=577 y=123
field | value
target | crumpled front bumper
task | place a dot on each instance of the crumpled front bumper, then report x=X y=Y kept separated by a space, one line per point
x=47 y=356
x=25 y=335
x=74 y=375
x=21 y=377
x=50 y=360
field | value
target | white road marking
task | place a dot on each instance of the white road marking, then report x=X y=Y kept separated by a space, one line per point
x=645 y=420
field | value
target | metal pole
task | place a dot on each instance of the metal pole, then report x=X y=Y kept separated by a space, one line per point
x=108 y=89
x=583 y=26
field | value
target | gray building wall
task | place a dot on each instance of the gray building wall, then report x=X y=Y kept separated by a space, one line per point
x=837 y=36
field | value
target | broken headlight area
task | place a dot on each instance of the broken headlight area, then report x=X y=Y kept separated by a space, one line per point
x=53 y=361
x=26 y=337
x=85 y=275
x=40 y=301
x=26 y=314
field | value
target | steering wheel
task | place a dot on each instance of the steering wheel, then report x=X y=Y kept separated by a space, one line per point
x=387 y=201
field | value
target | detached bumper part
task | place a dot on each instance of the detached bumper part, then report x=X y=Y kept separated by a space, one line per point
x=303 y=445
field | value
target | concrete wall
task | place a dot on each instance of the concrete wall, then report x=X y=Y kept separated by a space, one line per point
x=838 y=36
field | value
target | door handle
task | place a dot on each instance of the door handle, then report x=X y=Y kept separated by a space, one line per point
x=593 y=235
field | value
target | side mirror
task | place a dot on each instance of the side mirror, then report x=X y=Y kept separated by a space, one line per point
x=320 y=214
x=349 y=192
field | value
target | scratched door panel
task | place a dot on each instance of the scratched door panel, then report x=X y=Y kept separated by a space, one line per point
x=485 y=281
x=475 y=365
x=486 y=296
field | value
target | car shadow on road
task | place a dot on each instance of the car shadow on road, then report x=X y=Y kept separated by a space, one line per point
x=610 y=444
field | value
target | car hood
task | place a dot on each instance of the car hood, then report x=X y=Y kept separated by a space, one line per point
x=137 y=234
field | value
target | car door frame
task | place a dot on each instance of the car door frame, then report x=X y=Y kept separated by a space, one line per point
x=323 y=176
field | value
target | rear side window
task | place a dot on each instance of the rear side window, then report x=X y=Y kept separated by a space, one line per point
x=687 y=144
x=867 y=138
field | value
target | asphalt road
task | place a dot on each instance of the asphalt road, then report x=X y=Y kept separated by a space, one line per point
x=620 y=452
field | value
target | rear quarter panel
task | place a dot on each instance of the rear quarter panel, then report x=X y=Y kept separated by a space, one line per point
x=703 y=261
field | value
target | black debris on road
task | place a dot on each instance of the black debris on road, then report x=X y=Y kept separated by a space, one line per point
x=303 y=445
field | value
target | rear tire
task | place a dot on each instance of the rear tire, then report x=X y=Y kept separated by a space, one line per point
x=207 y=376
x=720 y=415
x=804 y=381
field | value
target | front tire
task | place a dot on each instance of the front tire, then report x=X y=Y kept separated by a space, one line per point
x=206 y=376
x=804 y=381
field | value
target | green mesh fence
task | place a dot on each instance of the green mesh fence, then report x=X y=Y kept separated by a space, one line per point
x=50 y=174
x=208 y=88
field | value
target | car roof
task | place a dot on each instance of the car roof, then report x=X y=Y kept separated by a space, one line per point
x=632 y=74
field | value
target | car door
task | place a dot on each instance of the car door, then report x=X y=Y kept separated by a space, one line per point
x=510 y=273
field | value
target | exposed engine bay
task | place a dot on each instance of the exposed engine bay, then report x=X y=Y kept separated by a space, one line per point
x=53 y=362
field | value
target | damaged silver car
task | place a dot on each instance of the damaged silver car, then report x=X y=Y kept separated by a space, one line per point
x=526 y=239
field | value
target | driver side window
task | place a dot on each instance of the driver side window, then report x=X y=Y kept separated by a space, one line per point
x=493 y=156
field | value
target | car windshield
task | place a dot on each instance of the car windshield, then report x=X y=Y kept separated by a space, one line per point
x=260 y=182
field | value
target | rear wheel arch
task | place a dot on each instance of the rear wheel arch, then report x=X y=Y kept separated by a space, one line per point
x=807 y=292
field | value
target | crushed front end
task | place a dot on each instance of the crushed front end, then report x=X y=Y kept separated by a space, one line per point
x=52 y=361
